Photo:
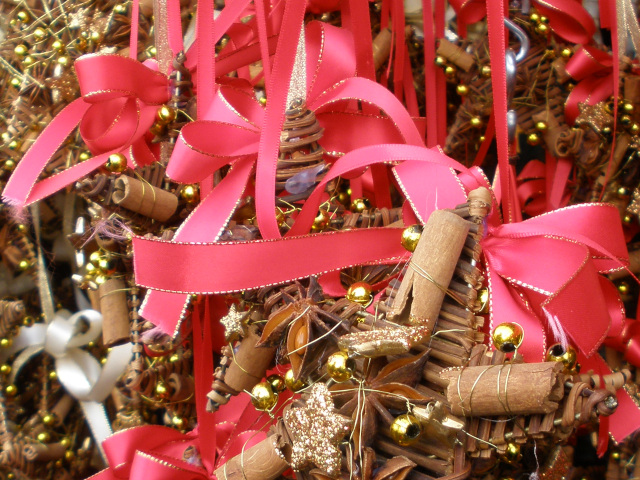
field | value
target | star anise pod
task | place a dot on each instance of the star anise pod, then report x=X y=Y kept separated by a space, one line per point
x=385 y=387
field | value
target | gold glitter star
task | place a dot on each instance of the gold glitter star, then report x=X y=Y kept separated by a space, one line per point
x=595 y=116
x=316 y=430
x=385 y=341
x=232 y=322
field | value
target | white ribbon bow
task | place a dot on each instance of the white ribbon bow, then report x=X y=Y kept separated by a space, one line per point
x=78 y=371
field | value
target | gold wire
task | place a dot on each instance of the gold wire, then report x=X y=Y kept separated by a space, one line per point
x=423 y=273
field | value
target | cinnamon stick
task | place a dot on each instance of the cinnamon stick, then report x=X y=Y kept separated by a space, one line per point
x=250 y=363
x=455 y=54
x=263 y=461
x=144 y=198
x=115 y=312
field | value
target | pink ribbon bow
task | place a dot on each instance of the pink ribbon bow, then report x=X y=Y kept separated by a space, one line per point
x=119 y=100
x=627 y=341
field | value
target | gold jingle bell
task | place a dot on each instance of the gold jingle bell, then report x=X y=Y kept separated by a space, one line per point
x=512 y=454
x=483 y=303
x=360 y=292
x=340 y=367
x=116 y=163
x=568 y=357
x=411 y=237
x=360 y=205
x=263 y=397
x=507 y=337
x=291 y=382
x=277 y=383
x=406 y=430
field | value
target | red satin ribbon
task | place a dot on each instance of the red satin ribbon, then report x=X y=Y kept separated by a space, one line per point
x=627 y=341
x=541 y=186
x=567 y=18
x=118 y=105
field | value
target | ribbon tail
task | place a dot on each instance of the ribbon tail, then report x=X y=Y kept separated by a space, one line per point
x=98 y=421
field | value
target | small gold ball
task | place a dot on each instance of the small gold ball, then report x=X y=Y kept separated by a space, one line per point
x=566 y=53
x=291 y=382
x=627 y=219
x=534 y=17
x=263 y=101
x=615 y=455
x=277 y=383
x=95 y=37
x=103 y=361
x=512 y=453
x=100 y=279
x=544 y=19
x=542 y=126
x=23 y=16
x=80 y=43
x=64 y=60
x=568 y=357
x=507 y=337
x=107 y=265
x=9 y=164
x=634 y=129
x=158 y=129
x=84 y=156
x=440 y=61
x=542 y=29
x=6 y=342
x=624 y=191
x=48 y=419
x=21 y=50
x=24 y=265
x=28 y=321
x=174 y=358
x=321 y=221
x=360 y=292
x=190 y=193
x=151 y=52
x=11 y=390
x=95 y=257
x=263 y=397
x=39 y=33
x=485 y=71
x=411 y=236
x=120 y=9
x=450 y=71
x=533 y=139
x=65 y=442
x=406 y=430
x=21 y=228
x=28 y=61
x=476 y=122
x=14 y=145
x=161 y=391
x=360 y=205
x=44 y=437
x=340 y=367
x=69 y=455
x=462 y=90
x=16 y=82
x=58 y=46
x=626 y=120
x=481 y=139
x=58 y=463
x=628 y=107
x=178 y=422
x=483 y=301
x=606 y=130
x=623 y=288
x=53 y=375
x=11 y=476
x=116 y=163
x=5 y=369
x=166 y=114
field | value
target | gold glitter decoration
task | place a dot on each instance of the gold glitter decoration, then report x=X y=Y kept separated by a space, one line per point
x=298 y=85
x=559 y=464
x=387 y=341
x=594 y=116
x=316 y=430
x=232 y=323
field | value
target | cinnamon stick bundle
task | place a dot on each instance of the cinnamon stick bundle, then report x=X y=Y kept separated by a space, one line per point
x=144 y=198
x=264 y=461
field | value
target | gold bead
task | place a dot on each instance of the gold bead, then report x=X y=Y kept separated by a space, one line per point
x=9 y=164
x=481 y=139
x=634 y=129
x=544 y=19
x=174 y=358
x=6 y=342
x=103 y=361
x=11 y=476
x=5 y=369
x=151 y=52
x=462 y=90
x=11 y=390
x=39 y=33
x=95 y=37
x=606 y=130
x=161 y=391
x=533 y=139
x=65 y=442
x=360 y=292
x=100 y=279
x=542 y=126
x=58 y=46
x=624 y=191
x=28 y=61
x=476 y=122
x=534 y=17
x=14 y=145
x=440 y=61
x=120 y=9
x=44 y=437
x=482 y=301
x=277 y=383
x=627 y=219
x=450 y=71
x=53 y=375
x=158 y=129
x=321 y=221
x=116 y=163
x=485 y=71
x=411 y=236
x=28 y=321
x=63 y=60
x=58 y=463
x=23 y=16
x=24 y=265
x=360 y=205
x=405 y=430
x=566 y=53
x=615 y=455
x=95 y=257
x=190 y=194
x=623 y=288
x=263 y=101
x=107 y=265
x=21 y=50
x=568 y=357
x=21 y=228
x=507 y=336
x=16 y=82
x=512 y=453
x=263 y=397
x=340 y=367
x=626 y=120
x=291 y=382
x=80 y=43
x=84 y=156
x=628 y=107
x=48 y=419
x=178 y=422
x=166 y=114
x=542 y=29
x=69 y=455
